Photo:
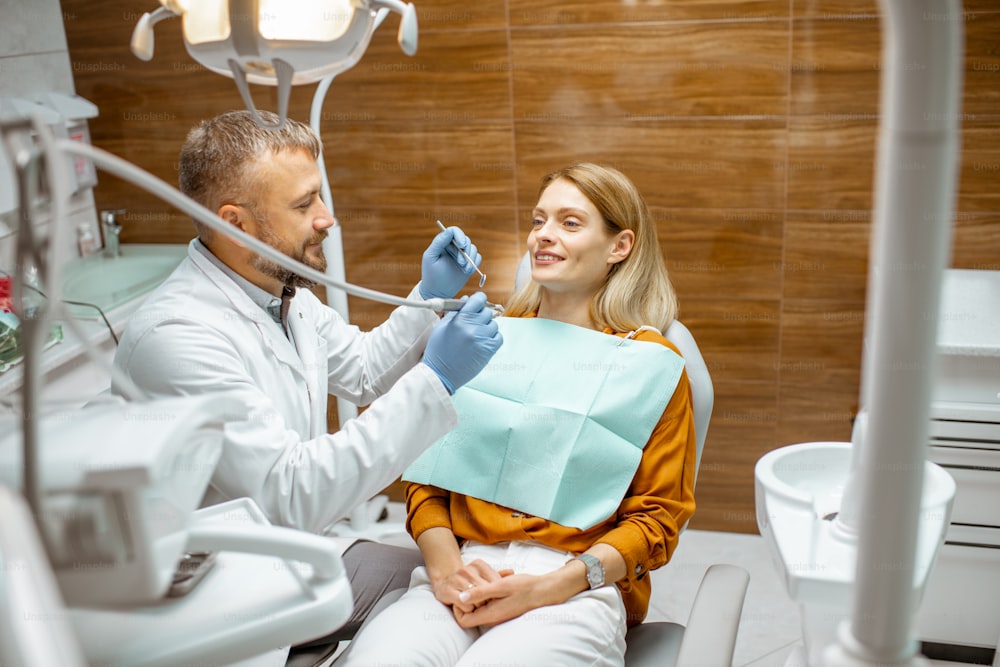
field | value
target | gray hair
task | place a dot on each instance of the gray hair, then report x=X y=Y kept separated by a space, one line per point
x=219 y=159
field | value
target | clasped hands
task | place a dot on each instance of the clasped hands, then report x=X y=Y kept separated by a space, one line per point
x=482 y=596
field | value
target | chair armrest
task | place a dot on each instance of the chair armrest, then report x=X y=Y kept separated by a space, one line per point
x=710 y=635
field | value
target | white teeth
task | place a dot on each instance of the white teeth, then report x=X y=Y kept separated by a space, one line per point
x=547 y=258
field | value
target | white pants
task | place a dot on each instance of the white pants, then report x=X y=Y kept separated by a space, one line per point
x=588 y=630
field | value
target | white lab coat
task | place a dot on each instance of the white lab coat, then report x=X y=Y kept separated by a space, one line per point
x=200 y=332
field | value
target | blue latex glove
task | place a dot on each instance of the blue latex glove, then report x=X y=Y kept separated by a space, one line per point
x=443 y=270
x=463 y=342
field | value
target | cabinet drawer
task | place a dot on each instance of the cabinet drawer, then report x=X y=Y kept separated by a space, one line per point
x=961 y=604
x=977 y=479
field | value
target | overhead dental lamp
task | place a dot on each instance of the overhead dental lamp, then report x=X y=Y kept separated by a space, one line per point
x=276 y=42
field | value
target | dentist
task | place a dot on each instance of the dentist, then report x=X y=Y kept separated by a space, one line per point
x=230 y=320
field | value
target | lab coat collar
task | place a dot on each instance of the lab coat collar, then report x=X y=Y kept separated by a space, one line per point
x=273 y=336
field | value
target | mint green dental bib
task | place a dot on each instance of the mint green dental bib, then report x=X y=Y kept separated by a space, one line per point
x=555 y=425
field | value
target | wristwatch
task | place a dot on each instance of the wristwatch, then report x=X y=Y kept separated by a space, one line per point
x=595 y=570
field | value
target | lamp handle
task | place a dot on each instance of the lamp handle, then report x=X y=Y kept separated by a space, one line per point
x=407 y=35
x=142 y=35
x=283 y=72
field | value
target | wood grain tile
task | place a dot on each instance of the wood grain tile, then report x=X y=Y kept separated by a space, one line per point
x=570 y=12
x=976 y=241
x=739 y=339
x=420 y=167
x=816 y=413
x=835 y=68
x=735 y=252
x=836 y=65
x=981 y=78
x=830 y=163
x=454 y=16
x=457 y=77
x=851 y=9
x=613 y=73
x=742 y=430
x=679 y=164
x=828 y=9
x=826 y=255
x=821 y=344
x=979 y=176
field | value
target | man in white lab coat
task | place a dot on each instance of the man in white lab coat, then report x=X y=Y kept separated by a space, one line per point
x=228 y=319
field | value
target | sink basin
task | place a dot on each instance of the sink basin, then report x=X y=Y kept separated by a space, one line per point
x=109 y=282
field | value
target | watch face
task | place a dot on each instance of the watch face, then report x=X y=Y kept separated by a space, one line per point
x=595 y=570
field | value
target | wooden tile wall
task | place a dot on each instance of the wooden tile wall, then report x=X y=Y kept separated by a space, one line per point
x=749 y=125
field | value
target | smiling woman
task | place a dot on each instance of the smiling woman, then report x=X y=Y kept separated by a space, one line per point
x=543 y=533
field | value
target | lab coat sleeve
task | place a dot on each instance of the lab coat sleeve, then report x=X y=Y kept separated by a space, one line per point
x=364 y=365
x=302 y=483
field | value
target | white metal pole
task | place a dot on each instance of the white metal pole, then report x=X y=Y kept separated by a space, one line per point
x=333 y=245
x=911 y=242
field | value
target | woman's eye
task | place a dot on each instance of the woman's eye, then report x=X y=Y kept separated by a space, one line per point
x=571 y=223
x=537 y=222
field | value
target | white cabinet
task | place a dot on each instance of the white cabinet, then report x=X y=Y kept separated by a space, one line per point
x=961 y=606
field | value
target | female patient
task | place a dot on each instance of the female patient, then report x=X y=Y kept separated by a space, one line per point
x=571 y=472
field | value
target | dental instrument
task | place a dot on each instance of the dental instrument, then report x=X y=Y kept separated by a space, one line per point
x=482 y=276
x=448 y=305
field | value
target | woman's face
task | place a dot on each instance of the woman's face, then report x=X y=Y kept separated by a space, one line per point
x=570 y=248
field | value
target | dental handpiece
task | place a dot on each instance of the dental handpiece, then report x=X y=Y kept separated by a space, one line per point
x=482 y=276
x=447 y=305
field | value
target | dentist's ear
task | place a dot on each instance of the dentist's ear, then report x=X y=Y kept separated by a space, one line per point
x=235 y=216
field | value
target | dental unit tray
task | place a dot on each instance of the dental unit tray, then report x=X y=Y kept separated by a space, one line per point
x=120 y=483
x=271 y=587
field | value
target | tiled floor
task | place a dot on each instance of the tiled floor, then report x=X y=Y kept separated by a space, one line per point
x=769 y=631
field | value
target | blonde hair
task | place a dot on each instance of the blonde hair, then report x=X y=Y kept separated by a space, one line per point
x=637 y=290
x=220 y=157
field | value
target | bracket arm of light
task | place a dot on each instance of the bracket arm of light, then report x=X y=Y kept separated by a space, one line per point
x=142 y=36
x=407 y=34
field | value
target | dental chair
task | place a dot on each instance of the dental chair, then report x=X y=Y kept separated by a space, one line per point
x=709 y=637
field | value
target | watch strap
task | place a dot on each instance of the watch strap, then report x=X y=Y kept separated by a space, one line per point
x=595 y=570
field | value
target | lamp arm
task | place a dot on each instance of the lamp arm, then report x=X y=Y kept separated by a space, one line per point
x=284 y=73
x=407 y=35
x=142 y=35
